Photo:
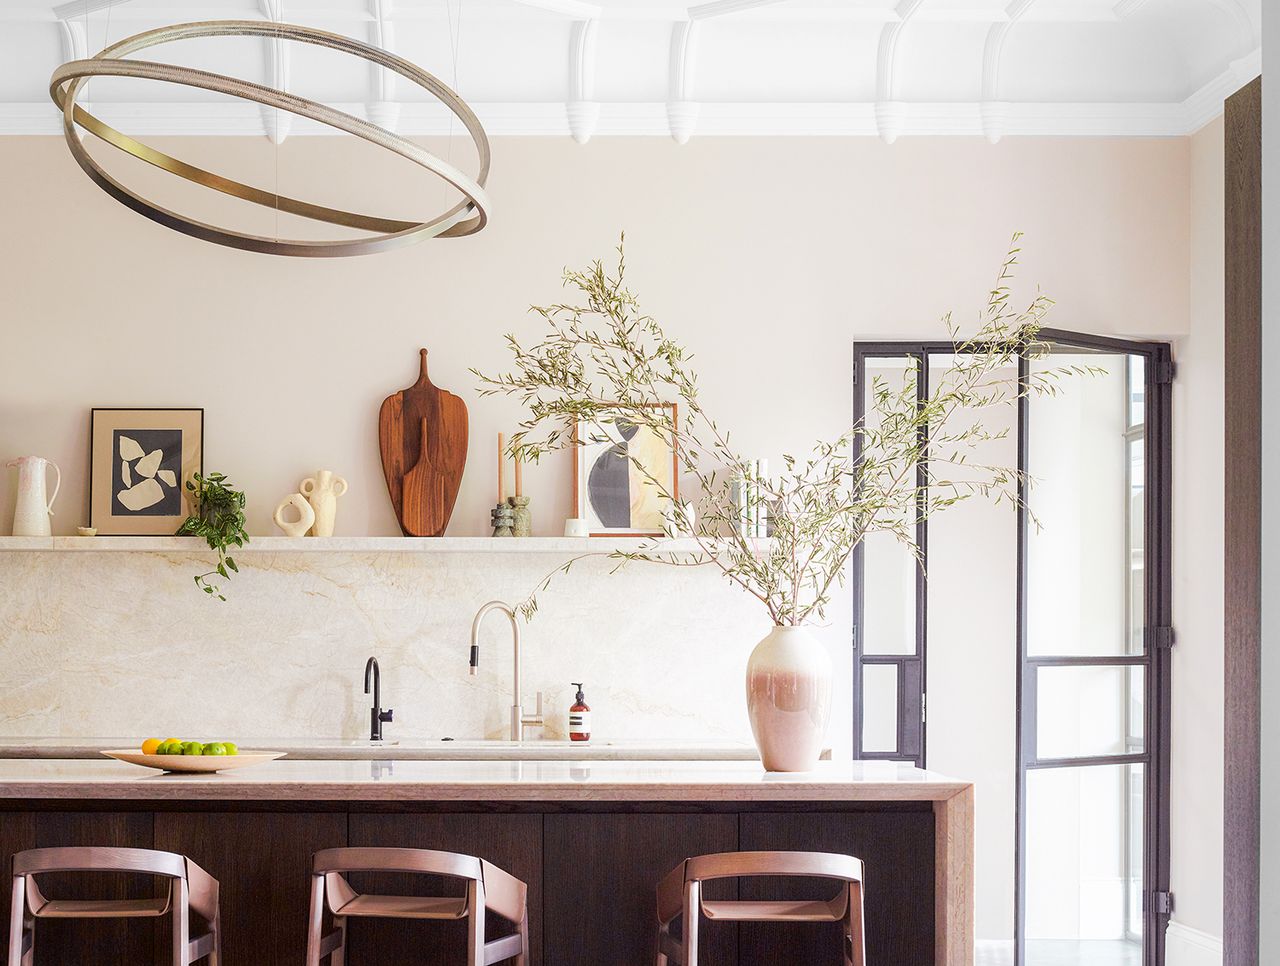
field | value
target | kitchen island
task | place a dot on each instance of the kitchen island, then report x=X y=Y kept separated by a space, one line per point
x=591 y=838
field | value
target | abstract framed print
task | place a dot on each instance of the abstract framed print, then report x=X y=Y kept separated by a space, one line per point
x=140 y=461
x=615 y=464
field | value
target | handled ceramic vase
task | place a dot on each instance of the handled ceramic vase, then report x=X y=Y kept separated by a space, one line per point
x=33 y=509
x=322 y=492
x=789 y=698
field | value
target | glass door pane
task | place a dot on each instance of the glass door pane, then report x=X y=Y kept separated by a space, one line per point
x=890 y=607
x=1082 y=869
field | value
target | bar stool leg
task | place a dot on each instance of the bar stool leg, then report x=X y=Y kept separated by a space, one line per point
x=523 y=958
x=18 y=925
x=855 y=936
x=692 y=914
x=475 y=924
x=181 y=925
x=216 y=958
x=315 y=920
x=339 y=955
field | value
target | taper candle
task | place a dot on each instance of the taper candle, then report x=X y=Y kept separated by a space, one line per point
x=519 y=478
x=502 y=477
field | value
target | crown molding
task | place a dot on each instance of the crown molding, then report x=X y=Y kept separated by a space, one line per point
x=656 y=119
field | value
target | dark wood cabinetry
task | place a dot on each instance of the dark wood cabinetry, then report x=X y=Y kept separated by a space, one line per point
x=591 y=869
x=263 y=864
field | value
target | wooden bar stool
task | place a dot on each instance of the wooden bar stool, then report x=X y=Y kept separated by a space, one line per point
x=680 y=893
x=190 y=888
x=488 y=888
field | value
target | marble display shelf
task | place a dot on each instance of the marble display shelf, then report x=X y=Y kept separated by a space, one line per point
x=415 y=749
x=556 y=545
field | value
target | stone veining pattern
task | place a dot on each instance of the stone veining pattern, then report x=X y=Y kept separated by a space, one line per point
x=123 y=644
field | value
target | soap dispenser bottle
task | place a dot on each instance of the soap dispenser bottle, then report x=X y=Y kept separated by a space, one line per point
x=579 y=717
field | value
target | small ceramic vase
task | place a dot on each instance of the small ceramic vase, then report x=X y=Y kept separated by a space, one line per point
x=678 y=519
x=322 y=491
x=503 y=519
x=789 y=698
x=306 y=516
x=576 y=527
x=521 y=518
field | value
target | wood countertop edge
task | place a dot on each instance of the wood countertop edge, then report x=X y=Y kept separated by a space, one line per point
x=365 y=791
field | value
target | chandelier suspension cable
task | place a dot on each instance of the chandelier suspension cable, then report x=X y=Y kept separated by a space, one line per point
x=275 y=135
x=455 y=34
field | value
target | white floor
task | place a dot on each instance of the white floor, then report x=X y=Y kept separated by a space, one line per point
x=1062 y=953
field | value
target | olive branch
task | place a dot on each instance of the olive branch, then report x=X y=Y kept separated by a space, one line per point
x=602 y=361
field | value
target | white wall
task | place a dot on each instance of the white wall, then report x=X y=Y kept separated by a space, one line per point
x=767 y=257
x=1198 y=413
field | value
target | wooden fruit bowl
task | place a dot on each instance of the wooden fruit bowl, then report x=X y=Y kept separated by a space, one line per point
x=195 y=764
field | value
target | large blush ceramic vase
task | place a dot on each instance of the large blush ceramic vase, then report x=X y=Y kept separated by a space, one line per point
x=789 y=698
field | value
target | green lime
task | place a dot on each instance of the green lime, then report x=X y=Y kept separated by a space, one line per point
x=192 y=748
x=170 y=748
x=229 y=748
x=215 y=748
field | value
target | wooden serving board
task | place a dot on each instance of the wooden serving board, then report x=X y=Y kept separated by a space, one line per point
x=422 y=432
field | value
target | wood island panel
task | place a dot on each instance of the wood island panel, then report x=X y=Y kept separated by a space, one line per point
x=65 y=940
x=511 y=842
x=262 y=861
x=591 y=840
x=607 y=867
x=897 y=848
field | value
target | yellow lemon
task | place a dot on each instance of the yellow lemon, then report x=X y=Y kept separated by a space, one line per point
x=150 y=745
x=172 y=741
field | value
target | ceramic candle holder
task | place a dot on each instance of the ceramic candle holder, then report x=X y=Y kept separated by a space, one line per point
x=522 y=519
x=502 y=518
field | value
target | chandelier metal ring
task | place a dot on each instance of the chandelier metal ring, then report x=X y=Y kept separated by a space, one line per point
x=466 y=217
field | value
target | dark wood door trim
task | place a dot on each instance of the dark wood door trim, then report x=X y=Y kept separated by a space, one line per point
x=1243 y=525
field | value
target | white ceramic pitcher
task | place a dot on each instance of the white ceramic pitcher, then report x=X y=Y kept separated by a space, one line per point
x=33 y=509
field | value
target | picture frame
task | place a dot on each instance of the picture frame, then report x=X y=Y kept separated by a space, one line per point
x=608 y=490
x=140 y=460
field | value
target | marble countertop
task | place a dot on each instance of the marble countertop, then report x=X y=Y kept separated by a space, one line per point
x=417 y=749
x=477 y=781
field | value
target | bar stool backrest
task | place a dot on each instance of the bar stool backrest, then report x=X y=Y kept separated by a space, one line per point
x=82 y=859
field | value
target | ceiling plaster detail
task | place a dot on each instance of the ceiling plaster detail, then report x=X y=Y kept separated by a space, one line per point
x=886 y=68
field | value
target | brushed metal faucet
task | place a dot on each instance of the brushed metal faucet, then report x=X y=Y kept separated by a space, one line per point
x=519 y=720
x=376 y=715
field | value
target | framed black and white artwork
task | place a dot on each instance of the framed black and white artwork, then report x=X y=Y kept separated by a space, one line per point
x=140 y=462
x=616 y=465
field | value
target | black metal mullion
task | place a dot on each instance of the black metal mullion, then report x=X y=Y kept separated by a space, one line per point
x=911 y=668
x=1072 y=660
x=1088 y=761
x=1020 y=688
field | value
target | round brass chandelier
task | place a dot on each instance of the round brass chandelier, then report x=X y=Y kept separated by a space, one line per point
x=466 y=217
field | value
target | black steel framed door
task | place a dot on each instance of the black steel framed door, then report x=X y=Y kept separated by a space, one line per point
x=1092 y=683
x=1094 y=637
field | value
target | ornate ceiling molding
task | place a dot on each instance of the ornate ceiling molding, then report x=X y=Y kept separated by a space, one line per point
x=875 y=67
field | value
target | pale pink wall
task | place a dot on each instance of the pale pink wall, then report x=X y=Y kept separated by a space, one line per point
x=1198 y=413
x=767 y=257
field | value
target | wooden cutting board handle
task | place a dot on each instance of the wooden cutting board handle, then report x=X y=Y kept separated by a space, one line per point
x=422 y=435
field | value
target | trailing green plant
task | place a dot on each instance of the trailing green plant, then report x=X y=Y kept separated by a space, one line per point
x=602 y=361
x=217 y=516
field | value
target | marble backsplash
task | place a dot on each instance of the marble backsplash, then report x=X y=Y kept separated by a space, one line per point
x=122 y=644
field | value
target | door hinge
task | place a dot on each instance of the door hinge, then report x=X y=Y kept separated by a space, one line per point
x=1165 y=371
x=923 y=703
x=1160 y=637
x=1162 y=903
x=855 y=637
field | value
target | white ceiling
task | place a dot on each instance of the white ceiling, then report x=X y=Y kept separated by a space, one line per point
x=654 y=67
